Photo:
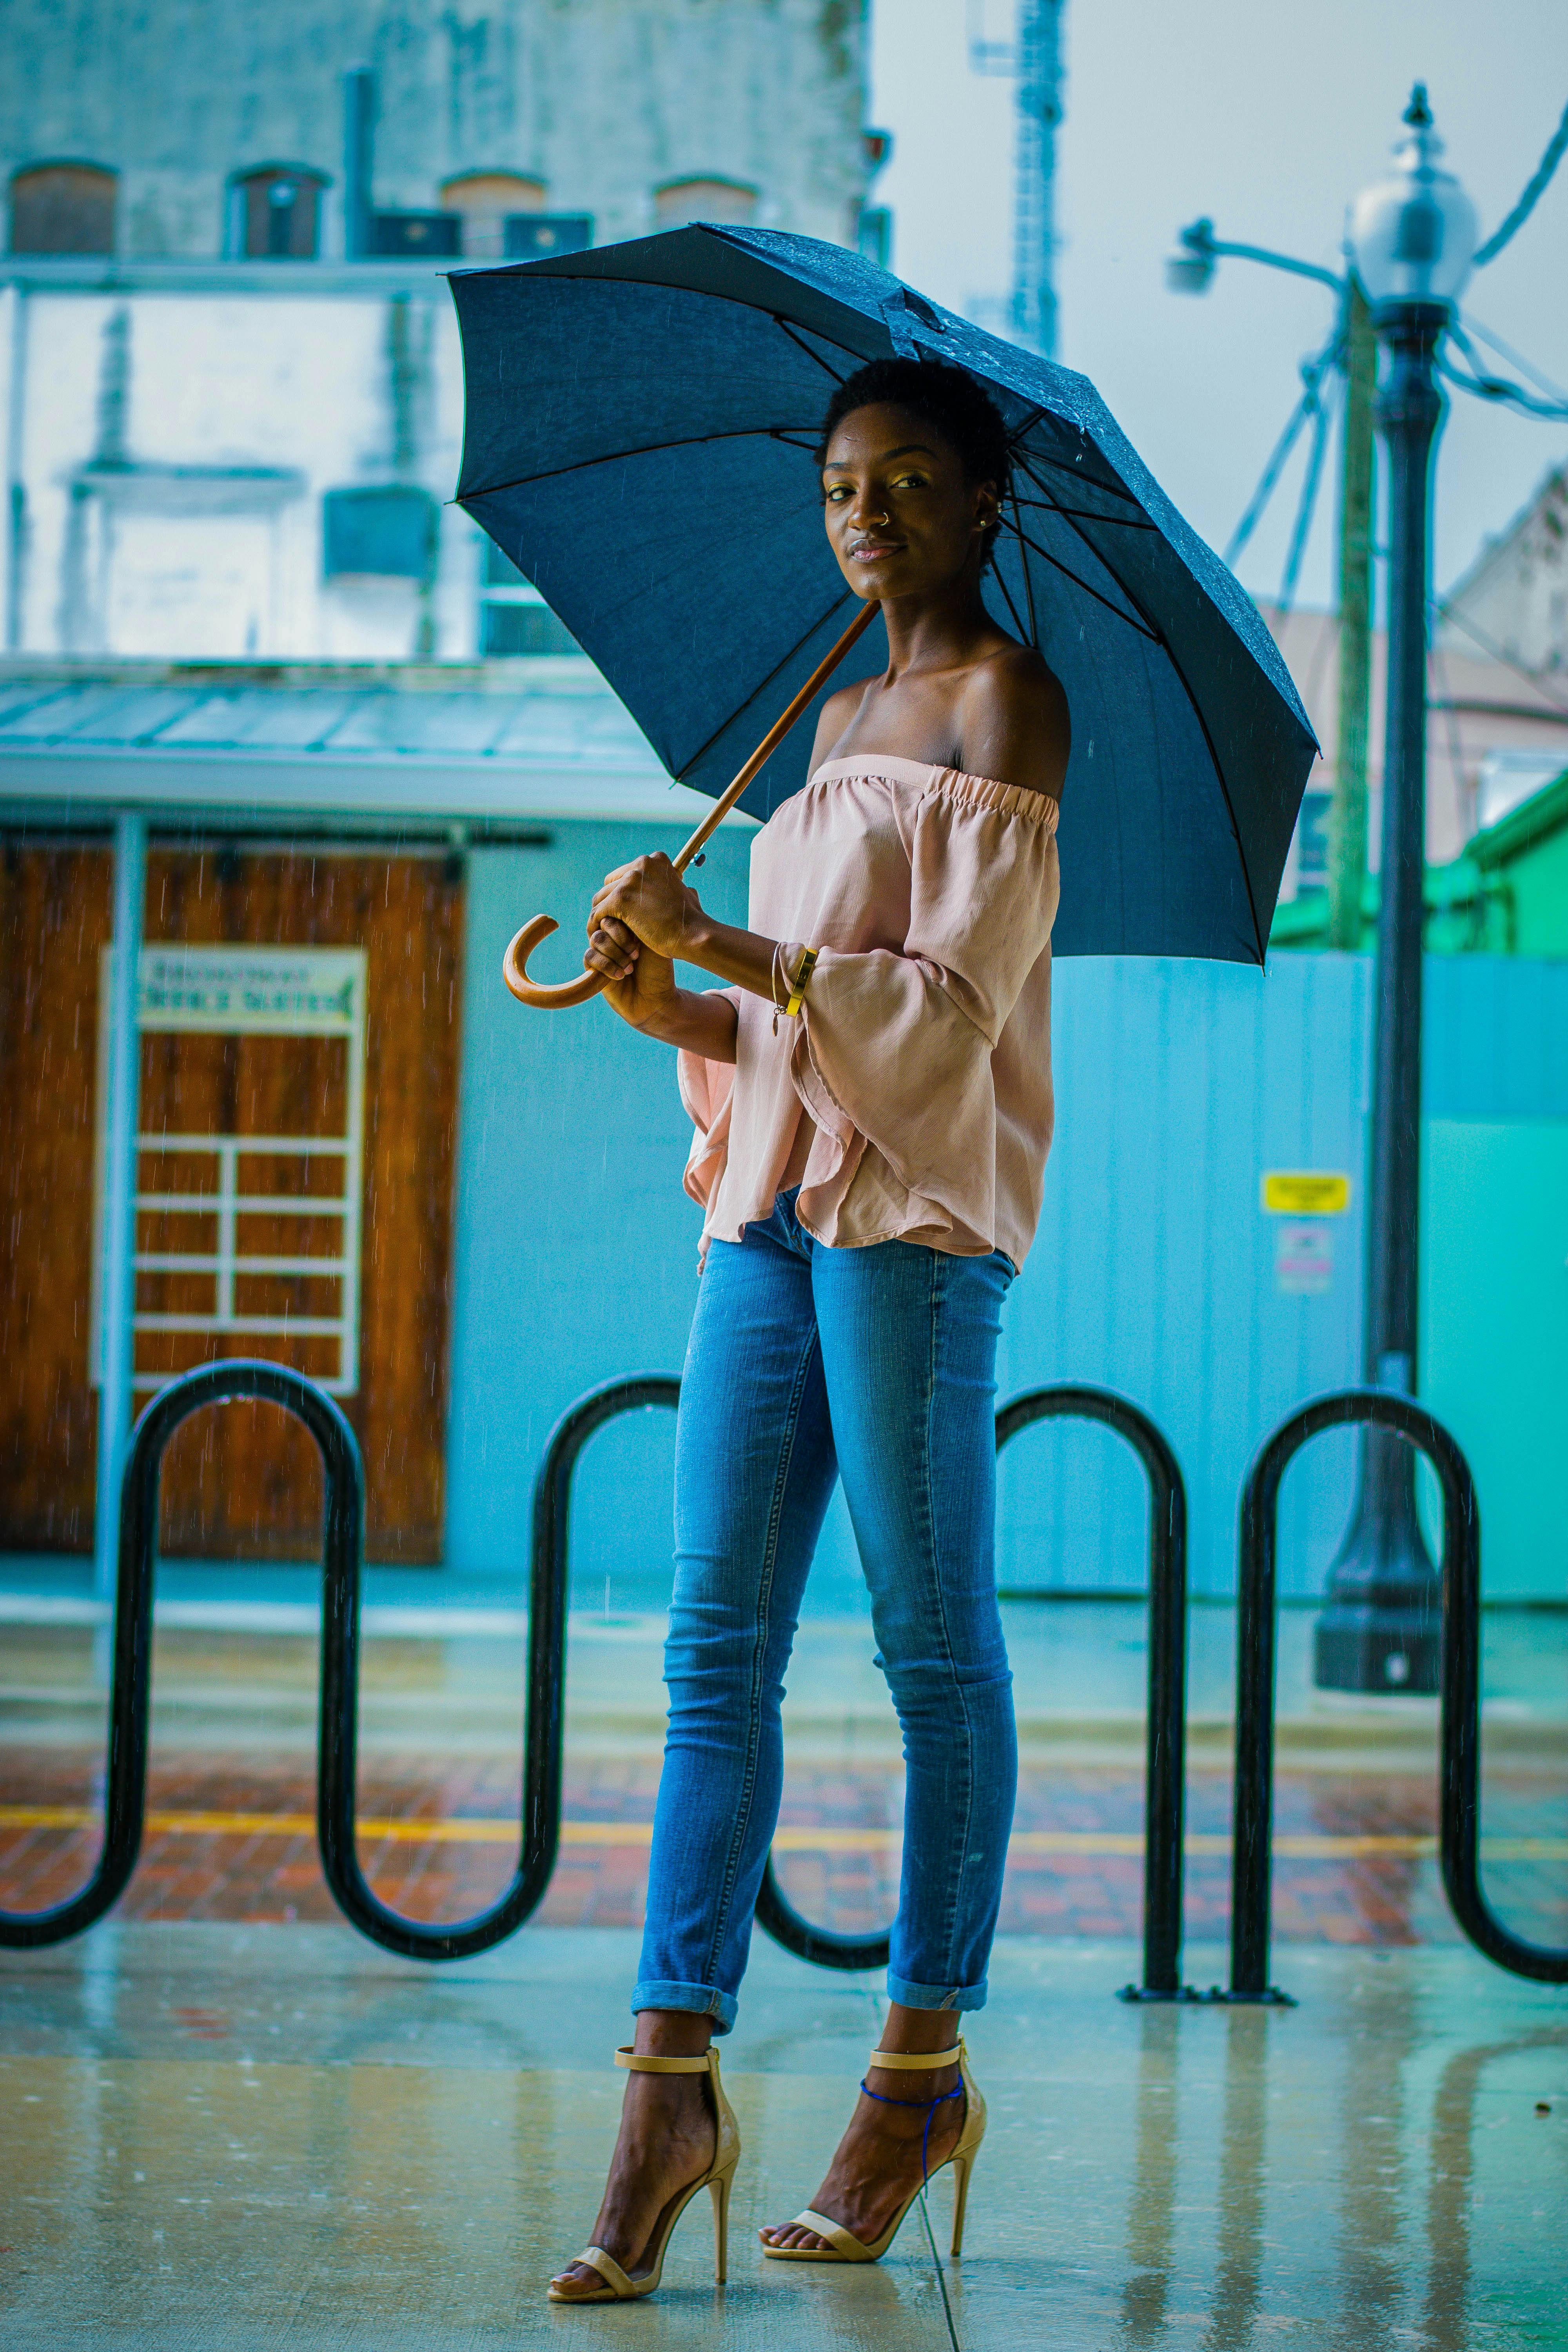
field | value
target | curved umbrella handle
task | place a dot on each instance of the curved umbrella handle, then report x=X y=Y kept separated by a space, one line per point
x=540 y=994
x=548 y=998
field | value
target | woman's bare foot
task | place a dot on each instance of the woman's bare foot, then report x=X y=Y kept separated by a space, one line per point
x=878 y=2161
x=668 y=2139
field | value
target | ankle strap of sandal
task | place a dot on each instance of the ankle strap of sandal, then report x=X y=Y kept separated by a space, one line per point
x=639 y=2061
x=917 y=2062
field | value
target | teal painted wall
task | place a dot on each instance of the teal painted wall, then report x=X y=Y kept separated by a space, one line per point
x=576 y=1248
x=1495 y=1305
x=1154 y=1272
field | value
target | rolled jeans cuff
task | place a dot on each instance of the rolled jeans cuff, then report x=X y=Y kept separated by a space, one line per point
x=701 y=2001
x=918 y=1996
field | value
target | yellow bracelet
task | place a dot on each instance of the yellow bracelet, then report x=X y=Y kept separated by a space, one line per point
x=797 y=985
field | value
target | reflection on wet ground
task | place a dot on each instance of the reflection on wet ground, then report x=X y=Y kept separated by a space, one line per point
x=247 y=2135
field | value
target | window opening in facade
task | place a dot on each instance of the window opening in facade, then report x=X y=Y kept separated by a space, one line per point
x=415 y=236
x=514 y=616
x=277 y=214
x=63 y=208
x=486 y=202
x=681 y=201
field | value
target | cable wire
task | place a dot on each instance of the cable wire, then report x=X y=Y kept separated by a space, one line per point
x=1444 y=611
x=1482 y=387
x=1515 y=359
x=1312 y=373
x=1534 y=189
x=1307 y=504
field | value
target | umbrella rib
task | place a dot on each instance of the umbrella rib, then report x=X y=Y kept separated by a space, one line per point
x=1258 y=942
x=1028 y=583
x=1149 y=629
x=1098 y=554
x=784 y=326
x=1076 y=474
x=1134 y=620
x=761 y=686
x=1046 y=504
x=644 y=449
x=1013 y=609
x=1215 y=761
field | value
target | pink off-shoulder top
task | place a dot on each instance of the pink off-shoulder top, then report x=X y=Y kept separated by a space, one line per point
x=911 y=1098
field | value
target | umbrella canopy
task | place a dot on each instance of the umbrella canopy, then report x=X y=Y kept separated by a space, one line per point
x=640 y=427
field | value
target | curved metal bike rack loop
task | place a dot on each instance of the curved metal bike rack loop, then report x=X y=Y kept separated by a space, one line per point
x=1164 y=1781
x=543 y=1724
x=1460 y=1791
x=125 y=1790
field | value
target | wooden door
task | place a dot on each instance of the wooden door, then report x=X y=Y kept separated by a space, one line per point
x=54 y=925
x=242 y=1483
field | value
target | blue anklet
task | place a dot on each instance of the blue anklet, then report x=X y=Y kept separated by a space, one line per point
x=931 y=2106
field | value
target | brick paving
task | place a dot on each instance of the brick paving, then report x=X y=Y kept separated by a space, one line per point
x=1075 y=1868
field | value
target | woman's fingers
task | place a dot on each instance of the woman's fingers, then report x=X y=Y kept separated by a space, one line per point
x=612 y=950
x=605 y=910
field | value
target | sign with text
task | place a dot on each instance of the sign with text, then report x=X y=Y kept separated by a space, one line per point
x=1304 y=1260
x=275 y=992
x=1305 y=1192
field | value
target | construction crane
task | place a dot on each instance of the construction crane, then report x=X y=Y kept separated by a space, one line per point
x=1033 y=60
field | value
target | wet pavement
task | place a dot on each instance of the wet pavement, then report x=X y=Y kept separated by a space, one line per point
x=247 y=2135
x=227 y=2121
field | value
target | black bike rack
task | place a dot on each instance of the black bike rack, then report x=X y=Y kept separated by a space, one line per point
x=1165 y=1766
x=125 y=1790
x=543 y=1722
x=337 y=1749
x=1459 y=1840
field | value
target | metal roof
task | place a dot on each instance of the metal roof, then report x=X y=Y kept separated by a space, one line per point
x=559 y=747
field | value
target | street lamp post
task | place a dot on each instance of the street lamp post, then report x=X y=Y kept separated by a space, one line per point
x=1411 y=238
x=1411 y=241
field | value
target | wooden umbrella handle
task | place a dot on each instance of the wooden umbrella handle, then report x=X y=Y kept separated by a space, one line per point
x=555 y=999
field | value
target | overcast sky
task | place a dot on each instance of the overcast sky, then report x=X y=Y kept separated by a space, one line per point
x=1269 y=120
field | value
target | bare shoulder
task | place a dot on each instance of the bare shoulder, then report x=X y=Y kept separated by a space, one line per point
x=1016 y=723
x=837 y=715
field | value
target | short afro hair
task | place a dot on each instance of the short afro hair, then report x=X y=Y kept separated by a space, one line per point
x=945 y=397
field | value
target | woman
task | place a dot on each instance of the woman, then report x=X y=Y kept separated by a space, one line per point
x=872 y=1099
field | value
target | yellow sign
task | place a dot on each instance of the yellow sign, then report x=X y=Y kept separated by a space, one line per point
x=1305 y=1192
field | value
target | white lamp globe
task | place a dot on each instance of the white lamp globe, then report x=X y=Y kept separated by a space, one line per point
x=1413 y=236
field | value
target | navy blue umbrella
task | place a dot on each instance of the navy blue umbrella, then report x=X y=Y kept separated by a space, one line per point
x=640 y=428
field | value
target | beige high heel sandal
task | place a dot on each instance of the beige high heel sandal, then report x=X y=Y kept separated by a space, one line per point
x=842 y=2247
x=619 y=2286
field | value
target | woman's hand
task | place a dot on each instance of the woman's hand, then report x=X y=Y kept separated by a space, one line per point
x=651 y=901
x=643 y=918
x=641 y=987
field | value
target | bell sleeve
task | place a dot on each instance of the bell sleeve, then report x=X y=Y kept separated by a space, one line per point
x=707 y=1090
x=897 y=1048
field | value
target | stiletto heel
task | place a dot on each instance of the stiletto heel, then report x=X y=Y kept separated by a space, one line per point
x=960 y=2165
x=720 y=2186
x=623 y=2287
x=842 y=2246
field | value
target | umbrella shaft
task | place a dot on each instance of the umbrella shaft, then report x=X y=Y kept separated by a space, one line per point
x=776 y=733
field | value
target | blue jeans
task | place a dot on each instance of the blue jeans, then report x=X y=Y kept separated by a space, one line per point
x=807 y=1364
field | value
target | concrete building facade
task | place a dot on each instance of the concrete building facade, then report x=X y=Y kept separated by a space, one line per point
x=160 y=124
x=230 y=380
x=1513 y=601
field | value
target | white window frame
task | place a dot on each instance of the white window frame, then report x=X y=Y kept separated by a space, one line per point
x=260 y=991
